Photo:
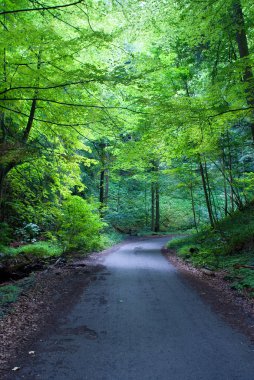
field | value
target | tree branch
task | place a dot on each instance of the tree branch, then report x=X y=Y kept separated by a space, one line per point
x=41 y=8
x=75 y=104
x=49 y=121
x=46 y=87
x=232 y=110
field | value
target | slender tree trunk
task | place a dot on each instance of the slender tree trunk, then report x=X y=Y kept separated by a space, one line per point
x=225 y=188
x=208 y=203
x=30 y=121
x=243 y=49
x=152 y=207
x=146 y=209
x=210 y=195
x=103 y=178
x=118 y=198
x=231 y=181
x=193 y=207
x=102 y=184
x=234 y=193
x=157 y=207
x=106 y=186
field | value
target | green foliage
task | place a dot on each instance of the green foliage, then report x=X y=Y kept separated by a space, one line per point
x=5 y=233
x=42 y=249
x=243 y=279
x=110 y=238
x=9 y=294
x=229 y=247
x=29 y=232
x=79 y=225
x=230 y=236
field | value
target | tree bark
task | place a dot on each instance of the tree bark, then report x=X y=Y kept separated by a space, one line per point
x=243 y=49
x=103 y=187
x=225 y=188
x=153 y=207
x=208 y=202
x=157 y=207
x=30 y=121
x=193 y=207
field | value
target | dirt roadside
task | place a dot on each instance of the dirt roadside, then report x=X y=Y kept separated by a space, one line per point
x=234 y=307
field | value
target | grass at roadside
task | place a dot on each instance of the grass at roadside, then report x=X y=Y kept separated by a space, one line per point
x=38 y=249
x=10 y=293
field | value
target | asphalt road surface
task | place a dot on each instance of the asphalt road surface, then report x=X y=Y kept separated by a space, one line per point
x=140 y=321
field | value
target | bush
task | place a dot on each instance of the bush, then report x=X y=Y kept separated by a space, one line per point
x=79 y=225
x=29 y=232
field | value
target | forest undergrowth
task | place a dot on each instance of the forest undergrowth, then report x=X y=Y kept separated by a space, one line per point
x=18 y=265
x=228 y=247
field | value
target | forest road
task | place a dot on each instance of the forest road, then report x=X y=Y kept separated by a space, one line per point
x=140 y=320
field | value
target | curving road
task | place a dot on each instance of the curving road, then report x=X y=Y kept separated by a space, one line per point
x=140 y=321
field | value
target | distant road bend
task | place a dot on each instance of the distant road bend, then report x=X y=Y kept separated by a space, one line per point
x=140 y=321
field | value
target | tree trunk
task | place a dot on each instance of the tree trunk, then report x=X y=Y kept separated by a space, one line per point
x=210 y=195
x=118 y=198
x=243 y=49
x=208 y=202
x=103 y=187
x=153 y=207
x=106 y=191
x=146 y=209
x=224 y=183
x=102 y=180
x=193 y=207
x=30 y=121
x=157 y=207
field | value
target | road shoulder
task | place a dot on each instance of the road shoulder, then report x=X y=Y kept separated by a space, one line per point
x=232 y=306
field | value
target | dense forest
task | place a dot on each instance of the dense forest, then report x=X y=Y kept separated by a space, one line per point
x=124 y=117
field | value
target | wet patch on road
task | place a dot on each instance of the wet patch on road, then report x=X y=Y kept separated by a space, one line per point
x=103 y=300
x=81 y=330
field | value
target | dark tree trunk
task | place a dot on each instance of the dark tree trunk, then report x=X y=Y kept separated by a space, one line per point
x=102 y=184
x=104 y=178
x=146 y=209
x=193 y=207
x=155 y=198
x=157 y=207
x=106 y=191
x=225 y=188
x=207 y=199
x=210 y=194
x=153 y=207
x=243 y=49
x=30 y=121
